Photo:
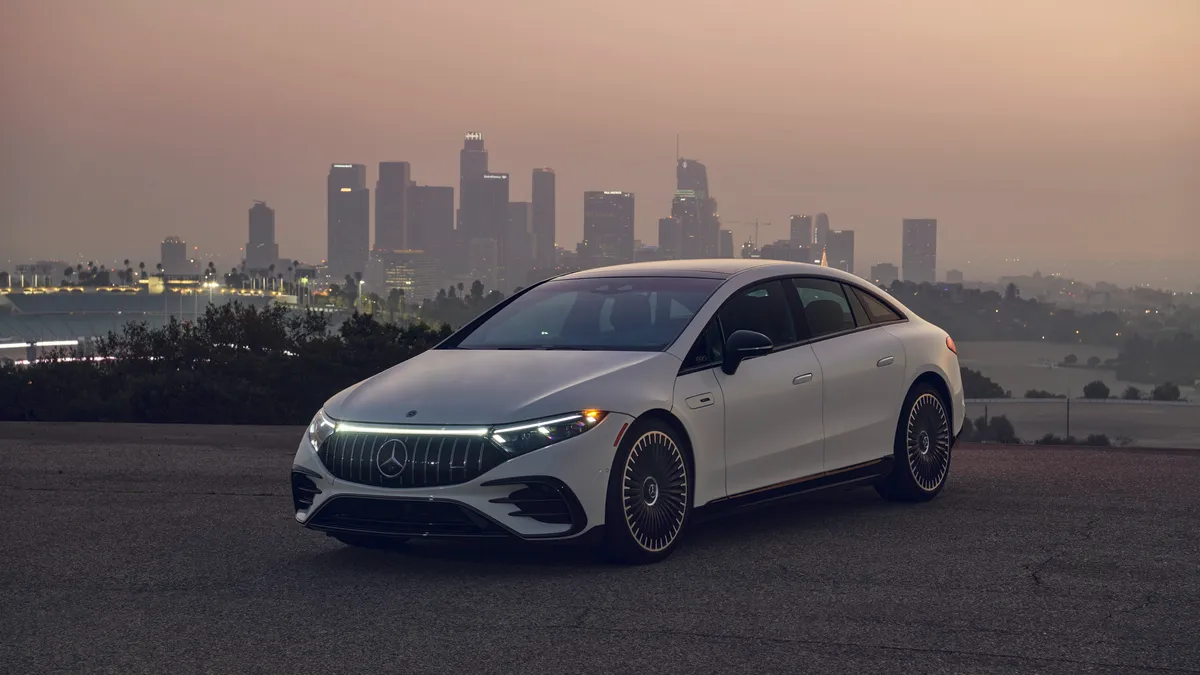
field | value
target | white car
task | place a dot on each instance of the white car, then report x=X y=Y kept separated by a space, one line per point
x=625 y=402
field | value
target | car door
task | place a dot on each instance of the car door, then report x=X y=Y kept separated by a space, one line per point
x=699 y=404
x=773 y=402
x=863 y=368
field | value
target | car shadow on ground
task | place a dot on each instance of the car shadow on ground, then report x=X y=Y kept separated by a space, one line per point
x=814 y=515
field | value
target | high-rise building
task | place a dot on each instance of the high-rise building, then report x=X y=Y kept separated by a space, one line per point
x=608 y=226
x=670 y=239
x=784 y=249
x=687 y=210
x=884 y=274
x=543 y=218
x=821 y=232
x=691 y=175
x=175 y=256
x=919 y=254
x=700 y=232
x=391 y=205
x=473 y=165
x=430 y=220
x=261 y=249
x=349 y=220
x=954 y=276
x=414 y=272
x=839 y=250
x=481 y=262
x=518 y=246
x=801 y=230
x=725 y=244
x=493 y=213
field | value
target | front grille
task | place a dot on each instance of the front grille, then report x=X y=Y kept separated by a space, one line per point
x=540 y=502
x=303 y=490
x=408 y=461
x=402 y=517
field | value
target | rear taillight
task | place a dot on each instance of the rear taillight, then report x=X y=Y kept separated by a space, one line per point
x=950 y=344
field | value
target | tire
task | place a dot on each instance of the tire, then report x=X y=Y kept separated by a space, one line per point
x=374 y=543
x=650 y=496
x=922 y=448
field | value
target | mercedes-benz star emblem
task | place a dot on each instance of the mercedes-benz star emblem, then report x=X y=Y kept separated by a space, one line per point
x=392 y=458
x=411 y=413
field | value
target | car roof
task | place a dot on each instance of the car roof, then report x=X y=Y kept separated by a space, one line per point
x=711 y=268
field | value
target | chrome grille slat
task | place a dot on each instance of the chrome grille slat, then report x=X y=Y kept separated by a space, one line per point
x=431 y=460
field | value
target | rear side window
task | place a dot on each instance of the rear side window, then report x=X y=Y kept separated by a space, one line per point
x=876 y=309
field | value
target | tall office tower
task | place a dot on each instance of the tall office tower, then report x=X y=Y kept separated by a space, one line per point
x=608 y=226
x=493 y=212
x=691 y=175
x=261 y=249
x=543 y=218
x=884 y=274
x=919 y=250
x=821 y=232
x=801 y=230
x=481 y=262
x=174 y=256
x=391 y=205
x=670 y=238
x=839 y=250
x=414 y=272
x=725 y=246
x=518 y=246
x=701 y=236
x=686 y=209
x=430 y=220
x=349 y=220
x=473 y=166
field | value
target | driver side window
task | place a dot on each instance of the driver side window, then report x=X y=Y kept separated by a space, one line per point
x=762 y=308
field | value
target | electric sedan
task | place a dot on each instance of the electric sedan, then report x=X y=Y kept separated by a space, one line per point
x=624 y=403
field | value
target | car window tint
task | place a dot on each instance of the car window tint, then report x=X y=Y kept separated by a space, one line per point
x=860 y=314
x=825 y=306
x=762 y=309
x=709 y=348
x=876 y=309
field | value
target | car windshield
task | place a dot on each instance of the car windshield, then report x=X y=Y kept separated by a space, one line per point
x=614 y=313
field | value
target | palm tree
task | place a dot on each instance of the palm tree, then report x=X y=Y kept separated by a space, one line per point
x=142 y=270
x=68 y=273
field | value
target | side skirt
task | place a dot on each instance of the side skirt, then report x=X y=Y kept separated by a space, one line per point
x=851 y=476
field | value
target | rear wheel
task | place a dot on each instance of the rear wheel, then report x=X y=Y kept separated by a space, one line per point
x=367 y=541
x=922 y=448
x=649 y=495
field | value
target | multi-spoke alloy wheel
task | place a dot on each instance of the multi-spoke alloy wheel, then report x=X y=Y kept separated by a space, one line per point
x=649 y=498
x=927 y=441
x=654 y=493
x=923 y=448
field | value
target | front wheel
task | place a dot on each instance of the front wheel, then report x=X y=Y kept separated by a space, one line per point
x=649 y=495
x=922 y=448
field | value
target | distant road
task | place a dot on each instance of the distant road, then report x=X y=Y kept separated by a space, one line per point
x=152 y=549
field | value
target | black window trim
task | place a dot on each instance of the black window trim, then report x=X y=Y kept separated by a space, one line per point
x=797 y=309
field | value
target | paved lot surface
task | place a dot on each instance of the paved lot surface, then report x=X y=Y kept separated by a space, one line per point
x=131 y=549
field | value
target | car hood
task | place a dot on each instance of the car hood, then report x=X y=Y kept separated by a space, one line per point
x=483 y=387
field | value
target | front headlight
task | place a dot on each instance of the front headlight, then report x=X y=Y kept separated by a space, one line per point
x=320 y=429
x=518 y=439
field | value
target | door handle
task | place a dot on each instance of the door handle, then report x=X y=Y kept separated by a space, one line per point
x=885 y=361
x=801 y=379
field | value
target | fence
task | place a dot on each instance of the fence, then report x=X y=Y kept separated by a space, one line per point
x=1149 y=424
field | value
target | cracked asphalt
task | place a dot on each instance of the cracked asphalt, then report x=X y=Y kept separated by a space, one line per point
x=143 y=549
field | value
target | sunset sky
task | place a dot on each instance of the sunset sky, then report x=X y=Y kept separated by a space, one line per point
x=1034 y=129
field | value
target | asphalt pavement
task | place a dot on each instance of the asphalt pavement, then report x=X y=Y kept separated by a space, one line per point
x=155 y=549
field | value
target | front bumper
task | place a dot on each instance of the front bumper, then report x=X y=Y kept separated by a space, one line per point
x=557 y=492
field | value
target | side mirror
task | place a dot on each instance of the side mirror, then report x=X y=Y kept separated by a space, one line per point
x=742 y=345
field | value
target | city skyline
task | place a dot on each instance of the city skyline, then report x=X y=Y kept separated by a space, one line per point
x=1034 y=153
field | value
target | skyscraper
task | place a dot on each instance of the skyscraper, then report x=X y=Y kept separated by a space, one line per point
x=518 y=246
x=473 y=165
x=686 y=209
x=699 y=232
x=543 y=218
x=608 y=226
x=884 y=274
x=919 y=255
x=261 y=249
x=725 y=245
x=839 y=250
x=174 y=256
x=349 y=219
x=691 y=175
x=430 y=220
x=821 y=232
x=391 y=205
x=670 y=239
x=801 y=230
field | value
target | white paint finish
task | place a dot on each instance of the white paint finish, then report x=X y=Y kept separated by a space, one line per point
x=926 y=350
x=862 y=398
x=705 y=425
x=772 y=427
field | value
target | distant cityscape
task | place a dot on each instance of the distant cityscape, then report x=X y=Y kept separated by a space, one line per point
x=423 y=241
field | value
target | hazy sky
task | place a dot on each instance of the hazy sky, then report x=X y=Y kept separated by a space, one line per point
x=1028 y=128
